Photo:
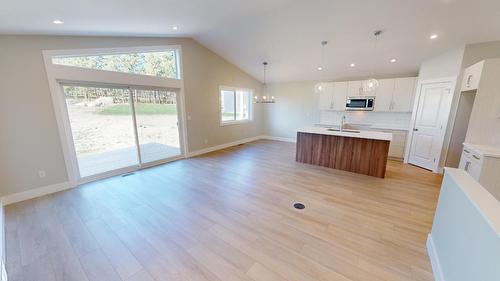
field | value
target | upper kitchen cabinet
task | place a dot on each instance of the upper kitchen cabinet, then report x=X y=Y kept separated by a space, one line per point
x=404 y=94
x=384 y=95
x=339 y=95
x=472 y=76
x=326 y=97
x=395 y=95
x=333 y=96
x=355 y=88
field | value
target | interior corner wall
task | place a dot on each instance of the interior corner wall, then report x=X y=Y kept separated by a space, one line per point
x=473 y=53
x=296 y=106
x=29 y=137
x=445 y=65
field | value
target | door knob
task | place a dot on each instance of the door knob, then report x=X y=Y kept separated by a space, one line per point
x=415 y=129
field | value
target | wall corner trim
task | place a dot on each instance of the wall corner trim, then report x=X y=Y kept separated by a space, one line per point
x=436 y=265
x=35 y=192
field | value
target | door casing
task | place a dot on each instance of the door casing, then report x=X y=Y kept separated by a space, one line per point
x=447 y=108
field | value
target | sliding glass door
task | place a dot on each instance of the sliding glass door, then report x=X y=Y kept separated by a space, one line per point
x=120 y=128
x=157 y=124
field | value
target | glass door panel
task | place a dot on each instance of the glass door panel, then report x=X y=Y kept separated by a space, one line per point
x=157 y=124
x=102 y=128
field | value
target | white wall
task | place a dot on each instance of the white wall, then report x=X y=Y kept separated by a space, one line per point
x=473 y=53
x=296 y=106
x=29 y=139
x=445 y=65
x=464 y=243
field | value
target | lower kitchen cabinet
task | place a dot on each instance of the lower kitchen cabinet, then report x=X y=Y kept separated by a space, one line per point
x=483 y=164
x=397 y=147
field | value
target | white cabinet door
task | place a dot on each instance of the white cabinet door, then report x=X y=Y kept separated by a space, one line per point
x=472 y=75
x=404 y=94
x=355 y=88
x=383 y=99
x=326 y=97
x=339 y=95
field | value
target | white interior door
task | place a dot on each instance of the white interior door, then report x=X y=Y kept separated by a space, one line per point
x=433 y=108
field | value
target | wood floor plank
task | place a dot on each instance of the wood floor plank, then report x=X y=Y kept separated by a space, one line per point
x=228 y=215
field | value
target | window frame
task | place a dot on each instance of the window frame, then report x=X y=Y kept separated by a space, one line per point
x=62 y=74
x=49 y=54
x=250 y=105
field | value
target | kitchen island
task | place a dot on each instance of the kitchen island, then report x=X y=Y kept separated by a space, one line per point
x=363 y=152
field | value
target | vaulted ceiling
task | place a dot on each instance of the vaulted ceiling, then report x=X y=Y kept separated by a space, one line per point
x=286 y=33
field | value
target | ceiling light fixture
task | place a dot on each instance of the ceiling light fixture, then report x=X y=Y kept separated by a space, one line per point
x=433 y=36
x=352 y=65
x=371 y=84
x=393 y=60
x=175 y=27
x=319 y=87
x=265 y=98
x=57 y=22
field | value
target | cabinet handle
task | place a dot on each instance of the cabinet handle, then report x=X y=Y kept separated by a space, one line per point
x=469 y=78
x=475 y=156
x=466 y=151
x=415 y=129
x=466 y=168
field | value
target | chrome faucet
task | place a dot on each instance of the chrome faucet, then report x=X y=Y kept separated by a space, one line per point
x=342 y=123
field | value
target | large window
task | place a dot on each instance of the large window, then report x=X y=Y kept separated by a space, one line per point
x=235 y=105
x=155 y=63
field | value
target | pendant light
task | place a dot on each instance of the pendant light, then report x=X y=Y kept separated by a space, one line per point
x=372 y=84
x=320 y=87
x=265 y=98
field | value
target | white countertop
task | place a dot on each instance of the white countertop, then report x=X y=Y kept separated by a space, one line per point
x=488 y=205
x=371 y=126
x=362 y=134
x=484 y=150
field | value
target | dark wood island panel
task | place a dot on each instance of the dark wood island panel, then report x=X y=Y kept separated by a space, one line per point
x=357 y=155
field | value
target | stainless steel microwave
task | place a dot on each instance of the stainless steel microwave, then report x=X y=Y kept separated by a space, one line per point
x=360 y=103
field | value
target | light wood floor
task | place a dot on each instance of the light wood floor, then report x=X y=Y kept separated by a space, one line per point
x=228 y=216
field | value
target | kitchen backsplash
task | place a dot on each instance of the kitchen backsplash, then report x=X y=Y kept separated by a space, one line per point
x=381 y=119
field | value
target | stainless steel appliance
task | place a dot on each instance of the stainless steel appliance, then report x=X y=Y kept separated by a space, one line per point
x=360 y=103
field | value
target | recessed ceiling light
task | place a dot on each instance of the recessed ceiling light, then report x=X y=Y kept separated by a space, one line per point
x=433 y=36
x=352 y=65
x=57 y=22
x=393 y=60
x=175 y=27
x=320 y=68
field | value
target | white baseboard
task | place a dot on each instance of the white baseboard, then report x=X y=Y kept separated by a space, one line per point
x=436 y=266
x=35 y=192
x=221 y=146
x=3 y=272
x=44 y=190
x=278 y=138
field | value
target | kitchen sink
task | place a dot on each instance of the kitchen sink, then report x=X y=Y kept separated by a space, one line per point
x=344 y=130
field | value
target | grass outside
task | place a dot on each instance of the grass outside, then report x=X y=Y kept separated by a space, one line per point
x=140 y=109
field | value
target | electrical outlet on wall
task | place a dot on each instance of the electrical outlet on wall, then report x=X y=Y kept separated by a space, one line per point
x=42 y=174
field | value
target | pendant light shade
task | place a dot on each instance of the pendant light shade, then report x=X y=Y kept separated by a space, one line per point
x=372 y=84
x=320 y=87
